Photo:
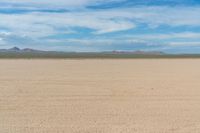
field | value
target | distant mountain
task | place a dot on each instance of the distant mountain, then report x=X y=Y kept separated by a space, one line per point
x=29 y=50
x=16 y=49
x=28 y=53
x=139 y=52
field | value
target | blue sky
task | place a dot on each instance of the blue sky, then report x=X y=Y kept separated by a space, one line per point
x=101 y=25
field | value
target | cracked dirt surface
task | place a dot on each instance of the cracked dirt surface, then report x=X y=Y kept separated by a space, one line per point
x=100 y=96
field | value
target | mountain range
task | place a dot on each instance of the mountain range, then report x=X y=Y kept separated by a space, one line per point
x=27 y=50
x=16 y=49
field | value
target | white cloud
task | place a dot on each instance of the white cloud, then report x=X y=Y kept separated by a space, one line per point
x=55 y=3
x=4 y=33
x=2 y=42
x=158 y=15
x=164 y=36
x=41 y=24
x=47 y=2
x=190 y=43
x=44 y=24
x=104 y=21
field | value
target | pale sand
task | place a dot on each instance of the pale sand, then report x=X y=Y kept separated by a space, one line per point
x=100 y=96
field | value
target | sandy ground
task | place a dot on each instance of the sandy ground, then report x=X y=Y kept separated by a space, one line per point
x=100 y=96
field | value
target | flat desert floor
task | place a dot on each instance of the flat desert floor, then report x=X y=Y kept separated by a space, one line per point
x=100 y=96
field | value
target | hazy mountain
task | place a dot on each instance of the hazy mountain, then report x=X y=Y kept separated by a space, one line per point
x=16 y=52
x=140 y=52
x=27 y=50
x=16 y=49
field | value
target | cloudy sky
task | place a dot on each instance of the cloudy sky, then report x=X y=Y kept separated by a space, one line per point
x=101 y=25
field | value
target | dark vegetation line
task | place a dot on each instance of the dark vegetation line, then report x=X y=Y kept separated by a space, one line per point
x=64 y=55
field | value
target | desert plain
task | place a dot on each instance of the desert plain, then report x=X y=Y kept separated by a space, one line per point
x=100 y=96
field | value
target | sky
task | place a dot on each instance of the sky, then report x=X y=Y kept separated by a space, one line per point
x=171 y=26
